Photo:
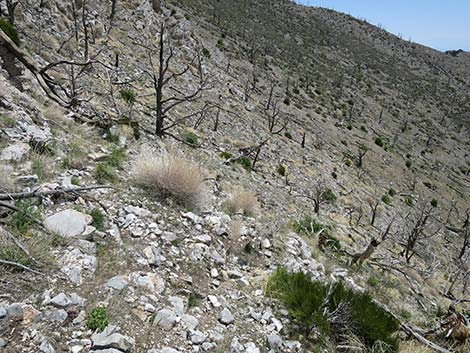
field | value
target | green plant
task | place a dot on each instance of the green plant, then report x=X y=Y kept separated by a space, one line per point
x=288 y=135
x=281 y=169
x=245 y=162
x=13 y=254
x=194 y=300
x=334 y=175
x=97 y=319
x=220 y=44
x=409 y=200
x=10 y=31
x=296 y=90
x=387 y=200
x=349 y=127
x=373 y=281
x=307 y=226
x=206 y=52
x=364 y=129
x=347 y=162
x=226 y=155
x=434 y=203
x=75 y=180
x=329 y=196
x=379 y=142
x=23 y=219
x=116 y=158
x=408 y=164
x=287 y=101
x=128 y=96
x=112 y=137
x=190 y=137
x=302 y=297
x=98 y=218
x=105 y=172
x=392 y=192
x=7 y=121
x=248 y=248
x=38 y=166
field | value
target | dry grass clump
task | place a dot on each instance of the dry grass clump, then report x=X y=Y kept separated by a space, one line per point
x=241 y=201
x=171 y=176
x=413 y=347
x=6 y=181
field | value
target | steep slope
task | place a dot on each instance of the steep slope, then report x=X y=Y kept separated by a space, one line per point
x=379 y=123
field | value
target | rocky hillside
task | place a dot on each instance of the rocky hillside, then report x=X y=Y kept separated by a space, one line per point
x=229 y=176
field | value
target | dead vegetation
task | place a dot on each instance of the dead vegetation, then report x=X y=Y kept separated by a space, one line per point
x=171 y=176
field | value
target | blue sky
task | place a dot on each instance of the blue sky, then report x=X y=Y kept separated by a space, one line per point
x=440 y=24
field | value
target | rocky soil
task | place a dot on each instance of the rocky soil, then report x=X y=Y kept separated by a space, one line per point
x=175 y=279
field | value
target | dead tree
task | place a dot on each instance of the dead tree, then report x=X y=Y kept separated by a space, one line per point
x=276 y=124
x=374 y=207
x=113 y=10
x=11 y=6
x=162 y=79
x=465 y=231
x=360 y=257
x=321 y=195
x=418 y=226
x=361 y=152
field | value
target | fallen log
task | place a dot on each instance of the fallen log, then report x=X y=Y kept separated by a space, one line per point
x=37 y=193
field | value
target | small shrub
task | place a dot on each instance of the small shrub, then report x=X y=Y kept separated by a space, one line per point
x=112 y=137
x=373 y=281
x=434 y=203
x=98 y=218
x=329 y=196
x=387 y=200
x=245 y=162
x=116 y=158
x=105 y=172
x=392 y=192
x=23 y=219
x=288 y=135
x=190 y=137
x=296 y=90
x=75 y=180
x=349 y=127
x=364 y=129
x=97 y=319
x=408 y=164
x=226 y=155
x=334 y=175
x=128 y=96
x=194 y=300
x=39 y=167
x=281 y=170
x=171 y=176
x=348 y=162
x=304 y=299
x=248 y=248
x=12 y=253
x=287 y=101
x=220 y=44
x=409 y=200
x=7 y=121
x=10 y=31
x=242 y=201
x=206 y=52
x=379 y=142
x=307 y=226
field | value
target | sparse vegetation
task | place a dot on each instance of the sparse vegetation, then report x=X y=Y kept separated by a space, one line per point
x=10 y=31
x=190 y=137
x=379 y=142
x=98 y=219
x=242 y=201
x=97 y=319
x=281 y=169
x=23 y=220
x=105 y=172
x=387 y=200
x=171 y=176
x=309 y=305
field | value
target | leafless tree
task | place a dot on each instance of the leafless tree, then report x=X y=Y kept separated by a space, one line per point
x=361 y=152
x=321 y=195
x=373 y=203
x=168 y=97
x=418 y=226
x=360 y=257
x=11 y=6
